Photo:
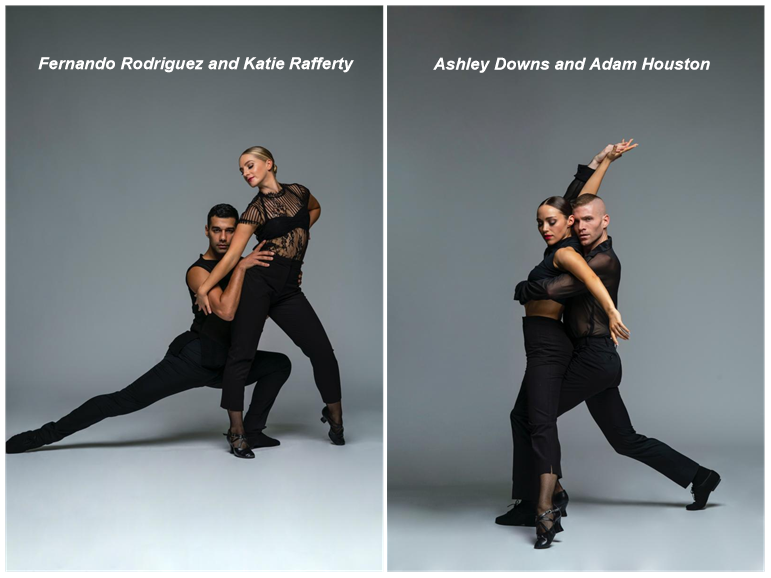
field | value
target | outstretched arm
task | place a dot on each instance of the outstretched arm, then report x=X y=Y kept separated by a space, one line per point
x=571 y=262
x=240 y=238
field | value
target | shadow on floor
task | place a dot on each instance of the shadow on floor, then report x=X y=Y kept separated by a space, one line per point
x=212 y=435
x=493 y=499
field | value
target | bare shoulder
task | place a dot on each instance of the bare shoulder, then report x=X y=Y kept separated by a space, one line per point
x=196 y=275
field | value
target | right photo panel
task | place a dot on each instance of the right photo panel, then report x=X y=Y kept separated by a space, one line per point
x=541 y=396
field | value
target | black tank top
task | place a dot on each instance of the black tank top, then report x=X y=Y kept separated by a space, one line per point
x=200 y=319
x=282 y=219
x=546 y=269
x=213 y=331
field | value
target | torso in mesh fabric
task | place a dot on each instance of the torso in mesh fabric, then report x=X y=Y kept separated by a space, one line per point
x=282 y=220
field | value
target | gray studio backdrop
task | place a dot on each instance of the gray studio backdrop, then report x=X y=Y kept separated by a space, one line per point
x=470 y=156
x=110 y=175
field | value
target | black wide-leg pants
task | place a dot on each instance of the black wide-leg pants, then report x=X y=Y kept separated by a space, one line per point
x=174 y=374
x=549 y=351
x=593 y=376
x=274 y=291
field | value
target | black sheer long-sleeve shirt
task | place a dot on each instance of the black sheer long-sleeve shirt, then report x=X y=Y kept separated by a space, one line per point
x=583 y=314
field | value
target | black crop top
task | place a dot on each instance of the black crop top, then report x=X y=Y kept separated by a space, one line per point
x=283 y=219
x=546 y=269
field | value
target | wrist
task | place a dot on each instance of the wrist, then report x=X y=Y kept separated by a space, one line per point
x=594 y=164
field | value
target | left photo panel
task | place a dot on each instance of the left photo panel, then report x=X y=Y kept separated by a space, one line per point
x=194 y=248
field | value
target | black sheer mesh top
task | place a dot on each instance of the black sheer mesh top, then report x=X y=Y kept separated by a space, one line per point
x=583 y=314
x=282 y=219
x=546 y=268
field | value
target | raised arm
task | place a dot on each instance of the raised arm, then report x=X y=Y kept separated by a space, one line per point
x=615 y=152
x=568 y=260
x=240 y=238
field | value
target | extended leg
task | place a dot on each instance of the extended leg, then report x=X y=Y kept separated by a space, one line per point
x=295 y=316
x=299 y=321
x=608 y=410
x=174 y=374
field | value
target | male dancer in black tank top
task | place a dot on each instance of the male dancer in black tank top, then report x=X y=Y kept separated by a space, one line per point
x=594 y=373
x=194 y=359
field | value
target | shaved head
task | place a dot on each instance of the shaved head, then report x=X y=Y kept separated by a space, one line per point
x=590 y=221
x=597 y=204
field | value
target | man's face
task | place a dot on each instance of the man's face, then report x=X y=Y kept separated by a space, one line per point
x=590 y=222
x=220 y=233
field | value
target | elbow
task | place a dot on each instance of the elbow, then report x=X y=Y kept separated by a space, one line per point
x=226 y=314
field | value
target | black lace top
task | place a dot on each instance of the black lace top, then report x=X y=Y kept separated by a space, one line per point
x=282 y=219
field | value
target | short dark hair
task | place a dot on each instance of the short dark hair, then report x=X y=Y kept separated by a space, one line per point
x=585 y=200
x=559 y=203
x=223 y=211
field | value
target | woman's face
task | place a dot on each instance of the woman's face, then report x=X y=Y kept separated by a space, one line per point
x=553 y=224
x=254 y=169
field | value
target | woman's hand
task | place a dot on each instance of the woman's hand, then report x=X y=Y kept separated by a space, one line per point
x=617 y=327
x=202 y=300
x=600 y=156
x=620 y=148
x=256 y=257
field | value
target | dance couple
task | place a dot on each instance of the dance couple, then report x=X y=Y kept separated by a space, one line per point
x=231 y=299
x=575 y=360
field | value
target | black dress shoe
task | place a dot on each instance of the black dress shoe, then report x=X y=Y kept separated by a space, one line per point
x=522 y=514
x=260 y=440
x=29 y=440
x=701 y=492
x=560 y=500
x=336 y=430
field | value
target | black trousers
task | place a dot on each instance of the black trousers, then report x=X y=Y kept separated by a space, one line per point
x=593 y=376
x=548 y=351
x=275 y=291
x=175 y=374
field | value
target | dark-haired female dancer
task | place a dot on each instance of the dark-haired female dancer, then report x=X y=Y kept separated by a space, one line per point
x=280 y=214
x=549 y=349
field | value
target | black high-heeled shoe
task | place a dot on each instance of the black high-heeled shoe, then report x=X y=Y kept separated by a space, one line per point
x=560 y=500
x=239 y=446
x=544 y=538
x=335 y=429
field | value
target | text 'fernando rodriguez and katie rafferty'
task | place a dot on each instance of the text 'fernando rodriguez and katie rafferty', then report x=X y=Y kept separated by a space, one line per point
x=170 y=65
